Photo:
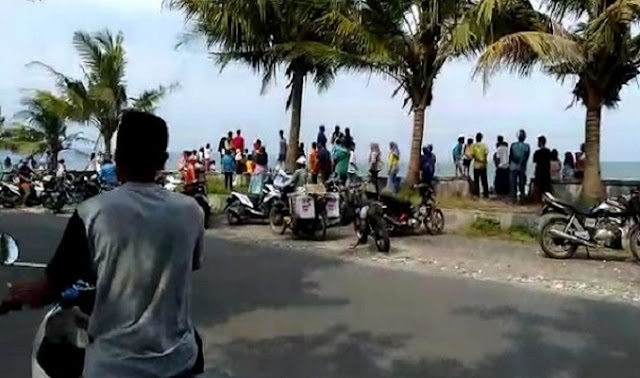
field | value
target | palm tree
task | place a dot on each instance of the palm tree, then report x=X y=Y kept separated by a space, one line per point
x=265 y=35
x=409 y=41
x=100 y=97
x=601 y=52
x=45 y=115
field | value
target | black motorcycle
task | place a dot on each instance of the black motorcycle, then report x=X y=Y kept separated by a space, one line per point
x=370 y=222
x=198 y=191
x=609 y=224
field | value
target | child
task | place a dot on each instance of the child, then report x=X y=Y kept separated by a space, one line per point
x=468 y=156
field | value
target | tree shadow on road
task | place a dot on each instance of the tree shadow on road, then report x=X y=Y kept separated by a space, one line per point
x=241 y=278
x=584 y=340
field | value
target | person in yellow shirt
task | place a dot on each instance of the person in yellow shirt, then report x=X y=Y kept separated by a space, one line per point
x=480 y=151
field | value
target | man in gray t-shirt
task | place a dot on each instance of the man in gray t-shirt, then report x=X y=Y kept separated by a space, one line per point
x=138 y=244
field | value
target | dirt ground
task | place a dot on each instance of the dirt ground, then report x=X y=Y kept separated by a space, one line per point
x=611 y=275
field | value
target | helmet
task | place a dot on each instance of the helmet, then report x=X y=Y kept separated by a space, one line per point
x=301 y=160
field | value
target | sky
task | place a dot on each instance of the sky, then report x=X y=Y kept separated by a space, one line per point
x=210 y=102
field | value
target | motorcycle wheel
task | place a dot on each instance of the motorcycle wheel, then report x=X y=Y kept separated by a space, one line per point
x=381 y=234
x=232 y=218
x=206 y=209
x=552 y=246
x=277 y=221
x=320 y=233
x=357 y=227
x=53 y=204
x=634 y=243
x=8 y=201
x=434 y=222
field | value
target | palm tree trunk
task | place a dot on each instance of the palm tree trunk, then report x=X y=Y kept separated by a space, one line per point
x=297 y=86
x=592 y=189
x=413 y=175
x=107 y=143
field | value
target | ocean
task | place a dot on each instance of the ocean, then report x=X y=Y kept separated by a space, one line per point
x=77 y=160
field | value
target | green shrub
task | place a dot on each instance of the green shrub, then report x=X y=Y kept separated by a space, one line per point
x=215 y=185
x=485 y=227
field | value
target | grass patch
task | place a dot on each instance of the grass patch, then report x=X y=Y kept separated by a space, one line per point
x=490 y=228
x=215 y=185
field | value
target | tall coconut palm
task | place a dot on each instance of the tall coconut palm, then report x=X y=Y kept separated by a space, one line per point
x=100 y=97
x=265 y=35
x=601 y=52
x=409 y=41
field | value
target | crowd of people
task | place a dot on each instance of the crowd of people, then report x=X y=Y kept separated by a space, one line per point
x=329 y=156
x=511 y=164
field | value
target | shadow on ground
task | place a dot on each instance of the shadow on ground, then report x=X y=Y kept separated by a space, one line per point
x=601 y=344
x=237 y=280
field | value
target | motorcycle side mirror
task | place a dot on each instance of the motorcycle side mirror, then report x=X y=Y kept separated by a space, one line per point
x=9 y=250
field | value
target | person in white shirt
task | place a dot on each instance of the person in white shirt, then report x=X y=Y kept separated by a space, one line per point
x=501 y=160
x=207 y=157
x=352 y=171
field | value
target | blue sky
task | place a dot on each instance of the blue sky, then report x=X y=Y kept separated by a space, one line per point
x=211 y=102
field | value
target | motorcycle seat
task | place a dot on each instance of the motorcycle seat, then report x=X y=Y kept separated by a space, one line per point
x=581 y=210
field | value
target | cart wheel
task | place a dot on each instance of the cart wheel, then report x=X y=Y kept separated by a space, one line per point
x=321 y=228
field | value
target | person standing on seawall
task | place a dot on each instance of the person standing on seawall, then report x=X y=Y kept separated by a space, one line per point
x=501 y=160
x=325 y=166
x=458 y=151
x=228 y=168
x=518 y=160
x=322 y=138
x=207 y=157
x=375 y=165
x=313 y=163
x=282 y=152
x=542 y=160
x=556 y=166
x=393 y=183
x=480 y=151
x=336 y=135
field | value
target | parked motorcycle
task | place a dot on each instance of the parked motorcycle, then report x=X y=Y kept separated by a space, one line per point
x=244 y=206
x=402 y=216
x=607 y=225
x=59 y=346
x=11 y=192
x=370 y=222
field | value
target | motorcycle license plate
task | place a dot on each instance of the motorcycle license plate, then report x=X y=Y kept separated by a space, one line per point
x=590 y=222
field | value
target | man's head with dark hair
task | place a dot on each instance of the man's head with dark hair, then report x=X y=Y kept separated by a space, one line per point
x=230 y=134
x=141 y=147
x=314 y=145
x=322 y=128
x=238 y=132
x=500 y=139
x=281 y=132
x=542 y=141
x=479 y=137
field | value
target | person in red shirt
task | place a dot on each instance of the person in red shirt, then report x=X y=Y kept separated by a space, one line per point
x=189 y=173
x=238 y=142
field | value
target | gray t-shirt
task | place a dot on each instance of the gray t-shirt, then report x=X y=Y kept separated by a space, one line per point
x=142 y=242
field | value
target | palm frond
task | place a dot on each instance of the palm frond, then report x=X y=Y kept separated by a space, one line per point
x=148 y=100
x=522 y=52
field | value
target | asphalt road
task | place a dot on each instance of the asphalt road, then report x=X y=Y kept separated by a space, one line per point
x=275 y=313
